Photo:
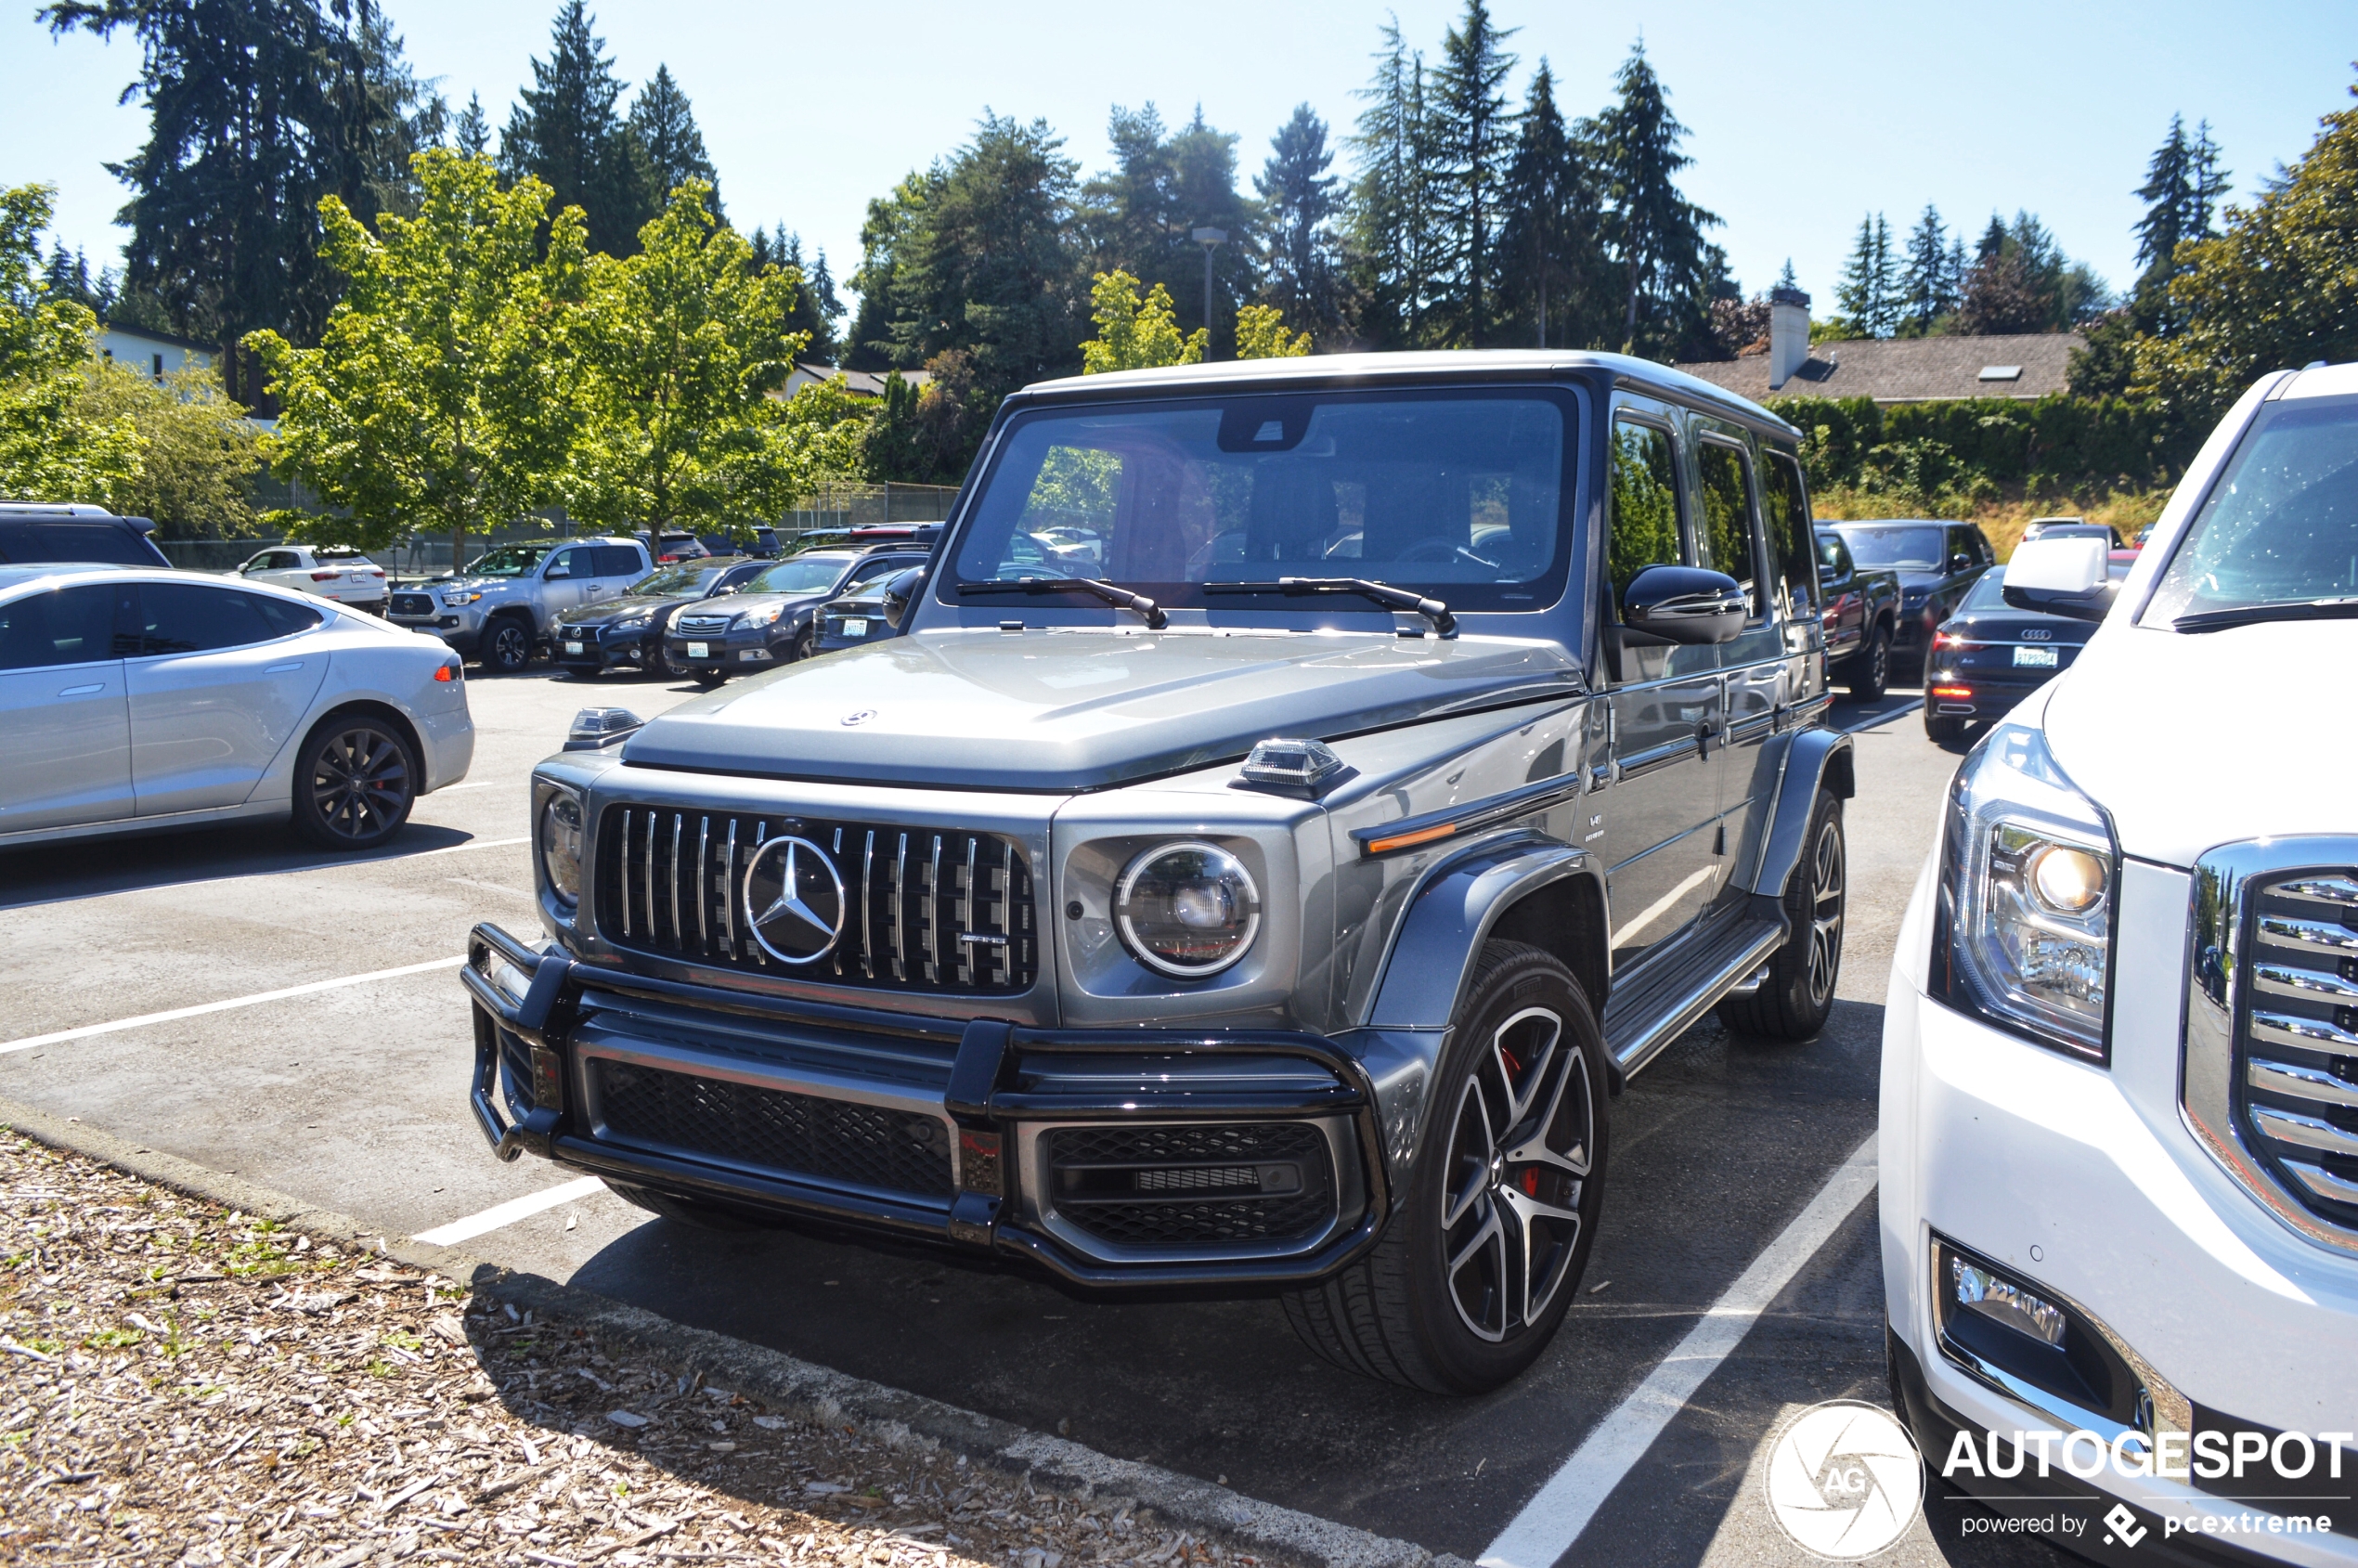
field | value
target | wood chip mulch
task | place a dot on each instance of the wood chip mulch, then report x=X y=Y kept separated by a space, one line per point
x=180 y=1384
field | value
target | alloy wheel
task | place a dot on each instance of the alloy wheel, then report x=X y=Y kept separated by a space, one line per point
x=510 y=648
x=1879 y=663
x=1826 y=887
x=361 y=785
x=1518 y=1158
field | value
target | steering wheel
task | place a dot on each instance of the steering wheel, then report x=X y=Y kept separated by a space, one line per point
x=1437 y=551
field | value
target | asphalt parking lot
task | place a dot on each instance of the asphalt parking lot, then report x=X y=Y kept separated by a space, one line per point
x=352 y=1096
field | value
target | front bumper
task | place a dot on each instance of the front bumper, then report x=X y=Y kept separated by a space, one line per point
x=1991 y=698
x=601 y=649
x=926 y=1128
x=737 y=648
x=2083 y=1182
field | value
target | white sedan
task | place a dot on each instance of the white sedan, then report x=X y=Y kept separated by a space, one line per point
x=332 y=572
x=137 y=698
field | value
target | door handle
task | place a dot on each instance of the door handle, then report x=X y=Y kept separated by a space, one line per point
x=283 y=669
x=83 y=691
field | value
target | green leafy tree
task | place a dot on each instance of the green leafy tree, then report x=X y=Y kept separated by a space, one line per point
x=1554 y=271
x=568 y=133
x=1298 y=203
x=54 y=446
x=2277 y=288
x=1656 y=232
x=2022 y=281
x=197 y=451
x=257 y=109
x=1262 y=334
x=1473 y=138
x=1134 y=333
x=670 y=147
x=682 y=346
x=1140 y=216
x=442 y=392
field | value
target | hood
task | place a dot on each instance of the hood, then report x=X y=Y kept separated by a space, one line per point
x=2194 y=741
x=1077 y=710
x=740 y=601
x=609 y=610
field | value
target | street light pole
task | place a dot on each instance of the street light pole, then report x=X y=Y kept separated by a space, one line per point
x=1207 y=239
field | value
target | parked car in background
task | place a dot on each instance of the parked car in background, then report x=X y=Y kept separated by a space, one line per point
x=627 y=632
x=2072 y=527
x=763 y=542
x=1862 y=618
x=772 y=619
x=336 y=572
x=499 y=610
x=1989 y=655
x=1936 y=563
x=871 y=613
x=673 y=544
x=137 y=698
x=2118 y=1165
x=36 y=531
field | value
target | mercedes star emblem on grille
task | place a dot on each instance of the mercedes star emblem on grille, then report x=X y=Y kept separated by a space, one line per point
x=795 y=896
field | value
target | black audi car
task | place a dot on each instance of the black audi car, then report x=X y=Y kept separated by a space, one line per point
x=627 y=632
x=772 y=617
x=1989 y=655
x=1936 y=563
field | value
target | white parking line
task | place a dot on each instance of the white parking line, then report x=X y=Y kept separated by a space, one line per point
x=1548 y=1526
x=1882 y=719
x=470 y=844
x=86 y=1030
x=508 y=1213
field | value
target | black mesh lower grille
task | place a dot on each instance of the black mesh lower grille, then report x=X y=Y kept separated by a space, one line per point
x=774 y=1130
x=1208 y=1184
x=411 y=604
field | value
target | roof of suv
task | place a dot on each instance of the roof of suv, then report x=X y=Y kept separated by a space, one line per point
x=1339 y=370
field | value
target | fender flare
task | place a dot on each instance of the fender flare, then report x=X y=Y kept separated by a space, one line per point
x=1816 y=758
x=1450 y=915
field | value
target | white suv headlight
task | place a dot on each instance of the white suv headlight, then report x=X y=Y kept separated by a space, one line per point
x=1187 y=909
x=2024 y=933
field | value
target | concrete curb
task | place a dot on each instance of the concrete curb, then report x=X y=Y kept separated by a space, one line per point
x=813 y=1392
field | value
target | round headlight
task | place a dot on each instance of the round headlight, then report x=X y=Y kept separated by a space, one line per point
x=1187 y=909
x=2068 y=880
x=561 y=847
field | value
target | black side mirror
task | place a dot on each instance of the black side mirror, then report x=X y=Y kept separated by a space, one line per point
x=1959 y=562
x=1684 y=604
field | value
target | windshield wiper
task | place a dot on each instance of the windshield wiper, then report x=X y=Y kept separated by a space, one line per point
x=2251 y=615
x=1432 y=610
x=1121 y=597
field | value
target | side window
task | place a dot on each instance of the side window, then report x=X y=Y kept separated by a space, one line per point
x=193 y=618
x=1834 y=558
x=284 y=561
x=869 y=571
x=64 y=626
x=1644 y=501
x=568 y=564
x=1790 y=537
x=618 y=561
x=1727 y=515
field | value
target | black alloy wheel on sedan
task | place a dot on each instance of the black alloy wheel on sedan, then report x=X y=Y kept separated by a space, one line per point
x=356 y=780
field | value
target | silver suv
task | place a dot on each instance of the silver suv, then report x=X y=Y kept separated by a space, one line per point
x=1303 y=794
x=500 y=608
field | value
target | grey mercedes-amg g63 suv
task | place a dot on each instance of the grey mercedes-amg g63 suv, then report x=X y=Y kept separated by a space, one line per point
x=1306 y=791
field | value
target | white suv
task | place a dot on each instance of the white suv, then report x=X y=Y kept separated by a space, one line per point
x=332 y=572
x=2120 y=1117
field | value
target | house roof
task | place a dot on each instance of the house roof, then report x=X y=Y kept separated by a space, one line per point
x=860 y=383
x=149 y=334
x=1909 y=370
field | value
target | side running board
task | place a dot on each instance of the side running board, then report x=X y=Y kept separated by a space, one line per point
x=1663 y=1000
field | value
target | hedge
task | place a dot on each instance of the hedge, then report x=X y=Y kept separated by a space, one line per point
x=1977 y=443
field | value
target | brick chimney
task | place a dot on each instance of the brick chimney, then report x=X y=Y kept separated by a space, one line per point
x=1788 y=334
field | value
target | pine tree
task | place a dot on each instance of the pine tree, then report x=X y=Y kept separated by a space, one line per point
x=1786 y=280
x=2210 y=182
x=1657 y=233
x=2166 y=193
x=1395 y=237
x=568 y=134
x=670 y=147
x=471 y=133
x=1298 y=202
x=1472 y=132
x=1554 y=268
x=1203 y=181
x=1925 y=294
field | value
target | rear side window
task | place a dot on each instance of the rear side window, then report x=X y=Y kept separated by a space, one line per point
x=1645 y=504
x=617 y=561
x=1727 y=515
x=64 y=626
x=1790 y=537
x=110 y=543
x=194 y=618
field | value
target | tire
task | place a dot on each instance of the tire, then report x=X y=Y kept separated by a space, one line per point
x=507 y=645
x=805 y=644
x=656 y=661
x=1793 y=1002
x=354 y=780
x=711 y=674
x=685 y=1211
x=1943 y=731
x=1869 y=671
x=1516 y=1152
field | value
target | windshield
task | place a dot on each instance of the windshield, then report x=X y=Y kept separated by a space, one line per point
x=2282 y=525
x=1457 y=494
x=670 y=581
x=804 y=574
x=508 y=560
x=1917 y=549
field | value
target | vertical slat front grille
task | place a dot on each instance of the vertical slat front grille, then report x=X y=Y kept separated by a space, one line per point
x=2297 y=1048
x=921 y=908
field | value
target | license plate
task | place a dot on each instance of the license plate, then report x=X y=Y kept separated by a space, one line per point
x=573 y=647
x=855 y=629
x=2035 y=659
x=700 y=650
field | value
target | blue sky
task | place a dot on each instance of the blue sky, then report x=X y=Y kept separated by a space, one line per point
x=1799 y=125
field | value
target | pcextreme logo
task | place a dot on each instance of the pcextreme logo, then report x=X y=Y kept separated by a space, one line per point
x=1844 y=1480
